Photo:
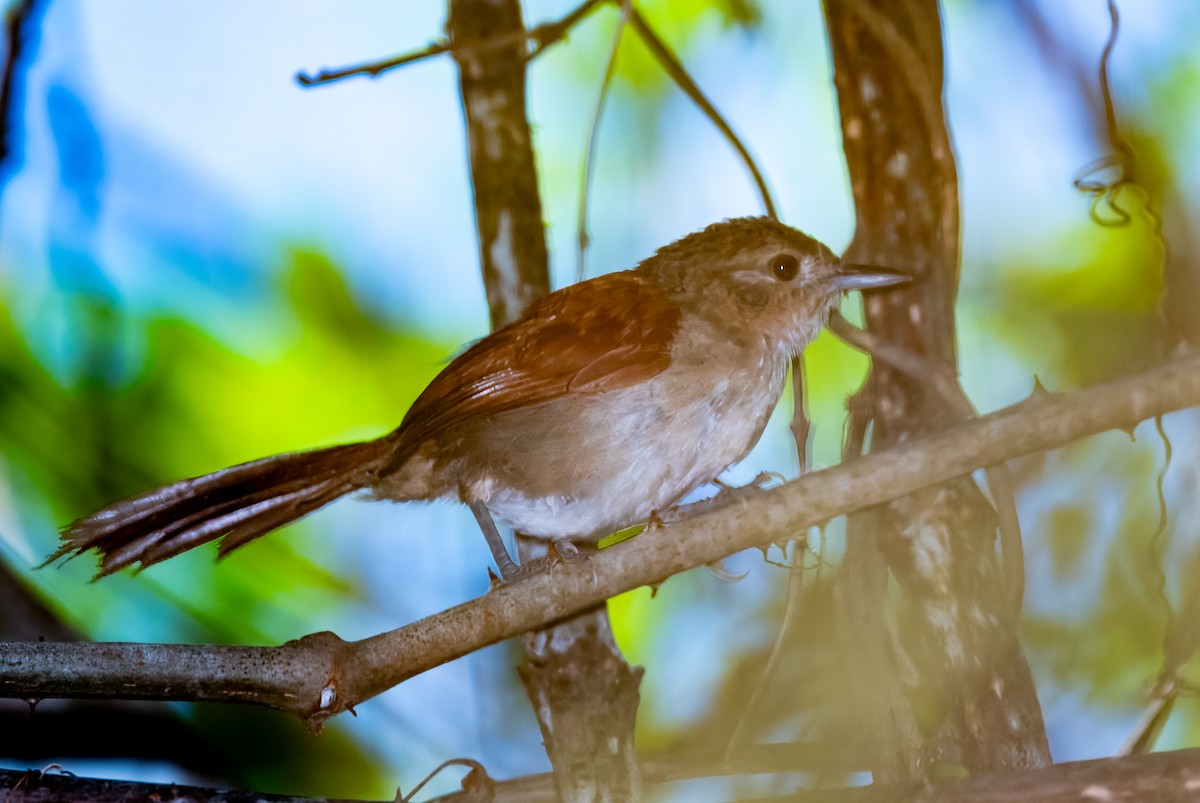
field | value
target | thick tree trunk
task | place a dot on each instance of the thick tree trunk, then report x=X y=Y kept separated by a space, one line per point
x=583 y=692
x=508 y=208
x=955 y=665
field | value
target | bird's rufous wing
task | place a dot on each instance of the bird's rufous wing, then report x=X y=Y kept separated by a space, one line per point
x=611 y=332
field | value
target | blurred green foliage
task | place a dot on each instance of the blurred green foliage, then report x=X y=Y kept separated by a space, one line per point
x=1091 y=318
x=677 y=23
x=192 y=405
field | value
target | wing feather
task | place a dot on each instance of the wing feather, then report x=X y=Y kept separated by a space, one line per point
x=608 y=333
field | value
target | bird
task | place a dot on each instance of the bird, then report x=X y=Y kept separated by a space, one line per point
x=603 y=404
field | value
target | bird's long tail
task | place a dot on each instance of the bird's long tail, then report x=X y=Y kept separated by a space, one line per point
x=241 y=503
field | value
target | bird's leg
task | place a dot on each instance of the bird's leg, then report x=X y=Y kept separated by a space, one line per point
x=504 y=563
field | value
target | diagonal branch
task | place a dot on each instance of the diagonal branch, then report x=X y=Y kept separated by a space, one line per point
x=320 y=675
x=679 y=74
x=589 y=152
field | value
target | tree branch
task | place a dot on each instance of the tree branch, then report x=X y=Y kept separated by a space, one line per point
x=1166 y=777
x=320 y=675
x=48 y=786
x=679 y=74
x=542 y=35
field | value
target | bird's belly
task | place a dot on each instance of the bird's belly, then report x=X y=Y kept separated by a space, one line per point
x=583 y=468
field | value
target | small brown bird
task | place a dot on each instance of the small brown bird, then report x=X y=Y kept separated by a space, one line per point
x=606 y=401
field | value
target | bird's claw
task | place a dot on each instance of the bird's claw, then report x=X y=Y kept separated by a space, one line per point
x=557 y=552
x=717 y=567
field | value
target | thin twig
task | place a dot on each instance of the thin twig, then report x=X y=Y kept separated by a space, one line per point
x=1012 y=544
x=374 y=68
x=589 y=153
x=1156 y=542
x=800 y=425
x=477 y=774
x=547 y=34
x=1146 y=732
x=1110 y=109
x=1106 y=177
x=903 y=360
x=1166 y=688
x=1091 y=179
x=542 y=35
x=679 y=74
x=791 y=614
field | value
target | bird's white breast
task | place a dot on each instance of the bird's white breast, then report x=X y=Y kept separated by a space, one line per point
x=627 y=453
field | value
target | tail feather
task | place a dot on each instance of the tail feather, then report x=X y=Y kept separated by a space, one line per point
x=232 y=515
x=240 y=503
x=124 y=540
x=271 y=518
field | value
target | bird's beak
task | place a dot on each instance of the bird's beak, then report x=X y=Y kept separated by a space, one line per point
x=851 y=276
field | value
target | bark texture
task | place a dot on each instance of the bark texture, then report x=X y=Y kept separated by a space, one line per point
x=584 y=694
x=943 y=670
x=508 y=208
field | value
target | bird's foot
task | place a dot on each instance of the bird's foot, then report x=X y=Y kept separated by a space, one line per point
x=557 y=552
x=655 y=520
x=727 y=495
x=761 y=481
x=722 y=572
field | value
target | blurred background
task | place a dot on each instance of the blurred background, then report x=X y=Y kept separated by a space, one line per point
x=202 y=262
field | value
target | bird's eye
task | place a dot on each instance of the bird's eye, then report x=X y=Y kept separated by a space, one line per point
x=785 y=267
